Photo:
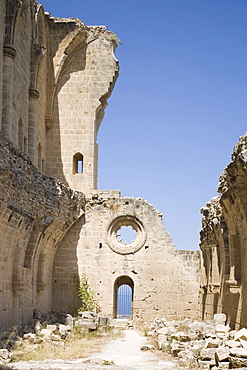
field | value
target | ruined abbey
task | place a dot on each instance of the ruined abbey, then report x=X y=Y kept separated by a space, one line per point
x=56 y=76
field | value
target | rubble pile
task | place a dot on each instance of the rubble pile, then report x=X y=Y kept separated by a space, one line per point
x=210 y=344
x=54 y=329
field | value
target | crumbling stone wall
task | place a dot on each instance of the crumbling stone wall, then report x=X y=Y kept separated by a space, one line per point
x=56 y=76
x=223 y=243
x=50 y=68
x=85 y=71
x=35 y=212
x=163 y=284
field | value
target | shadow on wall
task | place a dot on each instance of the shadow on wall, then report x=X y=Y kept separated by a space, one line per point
x=61 y=124
x=65 y=270
x=230 y=307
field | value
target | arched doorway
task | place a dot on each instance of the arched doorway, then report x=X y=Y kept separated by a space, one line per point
x=123 y=297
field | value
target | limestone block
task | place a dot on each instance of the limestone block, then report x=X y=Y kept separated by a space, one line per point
x=164 y=345
x=163 y=331
x=162 y=340
x=64 y=330
x=232 y=343
x=222 y=353
x=176 y=348
x=147 y=347
x=4 y=354
x=243 y=343
x=213 y=343
x=55 y=337
x=51 y=327
x=232 y=333
x=209 y=330
x=69 y=321
x=222 y=330
x=219 y=319
x=46 y=332
x=181 y=336
x=207 y=354
x=198 y=345
x=242 y=333
x=37 y=327
x=204 y=365
x=239 y=352
x=30 y=337
x=186 y=355
x=223 y=365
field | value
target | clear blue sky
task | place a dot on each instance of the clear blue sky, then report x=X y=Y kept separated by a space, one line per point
x=179 y=105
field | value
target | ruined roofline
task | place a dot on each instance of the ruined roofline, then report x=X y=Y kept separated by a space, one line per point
x=96 y=30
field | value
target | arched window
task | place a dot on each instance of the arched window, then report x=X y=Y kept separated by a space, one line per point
x=77 y=163
x=123 y=297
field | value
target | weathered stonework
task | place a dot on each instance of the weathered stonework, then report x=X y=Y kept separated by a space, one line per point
x=223 y=241
x=35 y=212
x=162 y=283
x=56 y=76
x=53 y=98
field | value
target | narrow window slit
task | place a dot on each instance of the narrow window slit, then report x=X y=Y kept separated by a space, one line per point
x=77 y=163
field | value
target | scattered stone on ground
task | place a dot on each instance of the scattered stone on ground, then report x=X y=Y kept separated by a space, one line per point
x=209 y=345
x=212 y=344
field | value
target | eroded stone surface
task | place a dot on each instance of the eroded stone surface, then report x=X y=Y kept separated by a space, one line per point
x=223 y=244
x=164 y=280
x=206 y=348
x=55 y=81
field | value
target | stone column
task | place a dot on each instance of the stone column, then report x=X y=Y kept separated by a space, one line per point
x=32 y=121
x=9 y=54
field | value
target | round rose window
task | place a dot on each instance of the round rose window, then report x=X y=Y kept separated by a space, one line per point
x=126 y=235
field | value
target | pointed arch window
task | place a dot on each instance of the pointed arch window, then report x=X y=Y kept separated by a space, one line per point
x=77 y=163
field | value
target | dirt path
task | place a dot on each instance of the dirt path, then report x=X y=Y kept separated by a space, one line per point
x=126 y=352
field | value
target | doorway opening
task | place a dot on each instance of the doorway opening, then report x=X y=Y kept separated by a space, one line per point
x=123 y=297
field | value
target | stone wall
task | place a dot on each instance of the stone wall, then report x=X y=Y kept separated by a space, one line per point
x=2 y=15
x=191 y=260
x=164 y=281
x=56 y=76
x=223 y=243
x=35 y=213
x=82 y=89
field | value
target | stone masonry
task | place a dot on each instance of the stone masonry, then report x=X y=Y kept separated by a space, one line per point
x=35 y=213
x=223 y=244
x=163 y=279
x=56 y=76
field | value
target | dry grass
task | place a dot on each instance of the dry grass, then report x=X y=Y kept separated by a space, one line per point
x=80 y=345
